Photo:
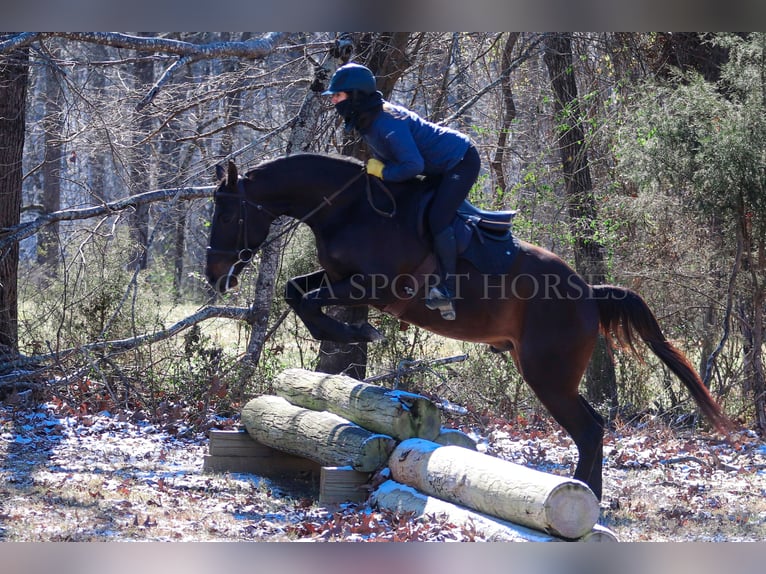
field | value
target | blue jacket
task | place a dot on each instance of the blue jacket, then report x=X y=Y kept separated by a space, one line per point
x=408 y=145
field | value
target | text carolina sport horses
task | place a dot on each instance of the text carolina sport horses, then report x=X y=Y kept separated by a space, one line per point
x=367 y=236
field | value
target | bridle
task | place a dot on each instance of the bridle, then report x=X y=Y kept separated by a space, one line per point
x=245 y=254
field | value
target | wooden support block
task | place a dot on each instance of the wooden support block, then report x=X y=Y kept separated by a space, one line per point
x=236 y=443
x=237 y=451
x=339 y=484
x=268 y=466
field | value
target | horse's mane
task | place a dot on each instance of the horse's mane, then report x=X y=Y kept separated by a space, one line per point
x=306 y=158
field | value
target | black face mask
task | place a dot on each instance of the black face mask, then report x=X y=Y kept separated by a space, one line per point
x=346 y=109
x=358 y=110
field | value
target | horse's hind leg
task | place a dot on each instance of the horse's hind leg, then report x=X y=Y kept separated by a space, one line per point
x=585 y=426
x=553 y=368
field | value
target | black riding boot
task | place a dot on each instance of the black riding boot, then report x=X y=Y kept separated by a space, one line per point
x=440 y=296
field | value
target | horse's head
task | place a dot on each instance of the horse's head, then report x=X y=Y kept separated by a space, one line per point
x=238 y=229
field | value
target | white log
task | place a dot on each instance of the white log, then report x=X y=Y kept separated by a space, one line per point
x=320 y=436
x=561 y=506
x=397 y=497
x=454 y=437
x=399 y=414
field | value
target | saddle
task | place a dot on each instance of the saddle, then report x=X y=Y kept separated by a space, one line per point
x=497 y=223
x=492 y=224
x=484 y=238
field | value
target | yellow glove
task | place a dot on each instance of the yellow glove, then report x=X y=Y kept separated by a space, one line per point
x=375 y=167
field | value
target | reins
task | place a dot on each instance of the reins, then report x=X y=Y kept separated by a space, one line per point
x=326 y=201
x=388 y=193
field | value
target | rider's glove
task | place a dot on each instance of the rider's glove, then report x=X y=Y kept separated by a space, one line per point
x=375 y=167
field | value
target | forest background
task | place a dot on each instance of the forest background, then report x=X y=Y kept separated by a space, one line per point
x=638 y=157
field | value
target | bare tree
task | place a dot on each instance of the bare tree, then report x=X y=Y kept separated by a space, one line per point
x=14 y=72
x=509 y=113
x=572 y=144
x=48 y=239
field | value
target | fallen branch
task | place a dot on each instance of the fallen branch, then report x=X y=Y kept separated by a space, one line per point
x=122 y=345
x=407 y=367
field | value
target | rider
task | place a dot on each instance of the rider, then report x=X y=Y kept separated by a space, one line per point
x=404 y=145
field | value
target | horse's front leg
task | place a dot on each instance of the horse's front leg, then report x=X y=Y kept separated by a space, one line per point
x=308 y=294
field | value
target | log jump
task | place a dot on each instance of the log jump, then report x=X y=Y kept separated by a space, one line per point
x=350 y=429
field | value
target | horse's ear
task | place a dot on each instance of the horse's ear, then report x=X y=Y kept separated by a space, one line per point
x=232 y=175
x=219 y=172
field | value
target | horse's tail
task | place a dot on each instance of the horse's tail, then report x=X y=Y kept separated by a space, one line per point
x=622 y=314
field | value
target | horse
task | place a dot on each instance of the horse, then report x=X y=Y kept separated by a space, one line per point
x=373 y=251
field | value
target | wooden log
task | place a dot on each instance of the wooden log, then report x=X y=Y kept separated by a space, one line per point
x=600 y=534
x=397 y=497
x=318 y=435
x=399 y=414
x=454 y=437
x=561 y=506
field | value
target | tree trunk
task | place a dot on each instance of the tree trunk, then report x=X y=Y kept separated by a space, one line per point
x=140 y=170
x=509 y=114
x=320 y=436
x=265 y=282
x=754 y=262
x=561 y=506
x=48 y=238
x=601 y=381
x=398 y=414
x=14 y=72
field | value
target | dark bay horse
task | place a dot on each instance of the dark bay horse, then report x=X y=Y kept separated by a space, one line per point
x=538 y=309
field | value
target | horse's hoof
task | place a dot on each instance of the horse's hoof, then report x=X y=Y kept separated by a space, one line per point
x=371 y=334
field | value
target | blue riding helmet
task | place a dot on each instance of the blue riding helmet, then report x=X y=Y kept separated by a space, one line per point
x=351 y=77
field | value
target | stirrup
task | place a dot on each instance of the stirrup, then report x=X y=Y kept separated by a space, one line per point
x=438 y=299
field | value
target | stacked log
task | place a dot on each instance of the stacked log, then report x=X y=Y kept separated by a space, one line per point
x=399 y=414
x=561 y=506
x=317 y=435
x=402 y=498
x=340 y=422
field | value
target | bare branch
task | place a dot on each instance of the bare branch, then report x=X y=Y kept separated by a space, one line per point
x=525 y=55
x=255 y=48
x=29 y=228
x=188 y=52
x=19 y=40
